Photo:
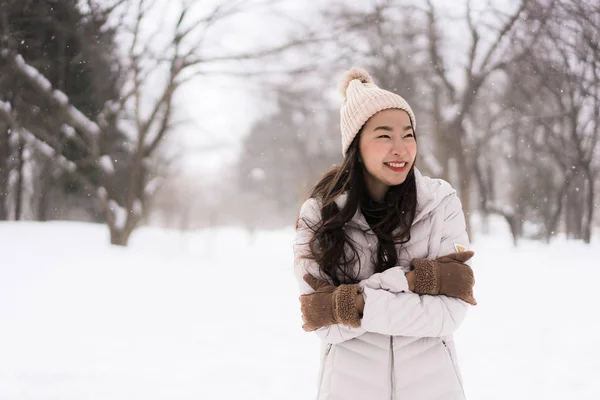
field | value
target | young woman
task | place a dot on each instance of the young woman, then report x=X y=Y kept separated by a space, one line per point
x=379 y=259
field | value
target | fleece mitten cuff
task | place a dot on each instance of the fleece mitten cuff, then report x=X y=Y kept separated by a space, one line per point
x=426 y=276
x=345 y=310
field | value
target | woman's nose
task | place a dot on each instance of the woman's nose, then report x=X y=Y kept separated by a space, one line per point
x=399 y=148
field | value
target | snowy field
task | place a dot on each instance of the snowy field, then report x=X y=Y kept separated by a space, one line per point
x=215 y=315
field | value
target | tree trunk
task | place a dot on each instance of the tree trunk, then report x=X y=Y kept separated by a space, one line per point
x=4 y=173
x=552 y=223
x=462 y=180
x=45 y=185
x=465 y=195
x=589 y=215
x=574 y=208
x=515 y=228
x=20 y=187
x=120 y=237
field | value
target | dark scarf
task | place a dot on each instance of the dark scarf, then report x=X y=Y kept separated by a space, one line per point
x=373 y=211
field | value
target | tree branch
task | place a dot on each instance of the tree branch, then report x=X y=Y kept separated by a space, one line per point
x=503 y=32
x=434 y=53
x=55 y=97
x=42 y=147
x=475 y=41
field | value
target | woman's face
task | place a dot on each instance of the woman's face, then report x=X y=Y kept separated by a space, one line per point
x=387 y=149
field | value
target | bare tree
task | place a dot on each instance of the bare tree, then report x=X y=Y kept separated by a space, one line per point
x=493 y=46
x=444 y=93
x=584 y=94
x=144 y=111
x=552 y=95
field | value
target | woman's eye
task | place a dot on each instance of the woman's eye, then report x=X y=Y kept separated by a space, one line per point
x=409 y=135
x=385 y=136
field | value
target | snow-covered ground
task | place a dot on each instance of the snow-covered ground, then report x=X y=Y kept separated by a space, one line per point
x=215 y=315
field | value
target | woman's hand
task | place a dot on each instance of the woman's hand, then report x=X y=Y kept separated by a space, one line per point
x=330 y=305
x=447 y=275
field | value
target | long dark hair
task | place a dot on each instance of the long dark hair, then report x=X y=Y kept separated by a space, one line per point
x=331 y=247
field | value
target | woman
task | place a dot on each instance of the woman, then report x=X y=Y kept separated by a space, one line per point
x=378 y=259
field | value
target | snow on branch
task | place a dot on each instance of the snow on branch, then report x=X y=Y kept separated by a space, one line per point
x=34 y=142
x=102 y=193
x=152 y=186
x=506 y=210
x=119 y=213
x=137 y=207
x=107 y=165
x=68 y=131
x=33 y=74
x=48 y=151
x=61 y=98
x=5 y=107
x=74 y=116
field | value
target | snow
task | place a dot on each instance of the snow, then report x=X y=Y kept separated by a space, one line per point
x=90 y=127
x=112 y=106
x=13 y=140
x=5 y=107
x=214 y=315
x=107 y=165
x=60 y=97
x=508 y=210
x=48 y=151
x=137 y=207
x=102 y=193
x=450 y=112
x=69 y=165
x=119 y=213
x=40 y=146
x=152 y=186
x=68 y=131
x=257 y=174
x=33 y=73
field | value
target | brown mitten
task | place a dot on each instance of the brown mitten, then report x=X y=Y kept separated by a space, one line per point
x=329 y=305
x=447 y=275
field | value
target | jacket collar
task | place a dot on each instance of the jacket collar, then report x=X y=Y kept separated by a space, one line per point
x=430 y=193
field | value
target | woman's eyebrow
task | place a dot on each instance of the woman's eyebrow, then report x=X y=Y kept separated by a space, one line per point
x=389 y=128
x=384 y=128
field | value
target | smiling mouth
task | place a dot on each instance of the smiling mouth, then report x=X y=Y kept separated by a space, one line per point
x=397 y=167
x=395 y=164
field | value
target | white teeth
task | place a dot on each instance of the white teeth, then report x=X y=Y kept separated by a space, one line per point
x=397 y=165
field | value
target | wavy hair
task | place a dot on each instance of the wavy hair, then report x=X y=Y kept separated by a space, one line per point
x=331 y=247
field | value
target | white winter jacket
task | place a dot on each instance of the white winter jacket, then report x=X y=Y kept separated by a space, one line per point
x=404 y=348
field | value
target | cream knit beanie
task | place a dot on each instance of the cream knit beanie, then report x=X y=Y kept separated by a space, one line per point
x=363 y=99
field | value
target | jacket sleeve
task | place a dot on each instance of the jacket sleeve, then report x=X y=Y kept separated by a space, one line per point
x=393 y=311
x=309 y=216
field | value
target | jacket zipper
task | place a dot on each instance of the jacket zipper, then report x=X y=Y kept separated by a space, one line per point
x=453 y=366
x=391 y=368
x=327 y=350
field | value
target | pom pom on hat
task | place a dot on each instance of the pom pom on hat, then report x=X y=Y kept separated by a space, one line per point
x=362 y=101
x=352 y=74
